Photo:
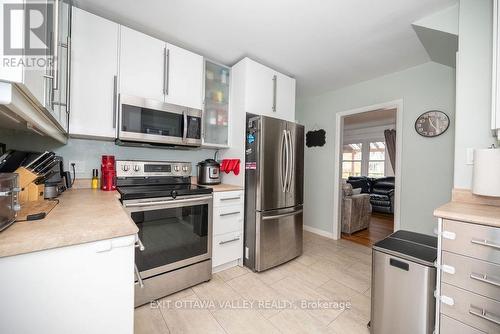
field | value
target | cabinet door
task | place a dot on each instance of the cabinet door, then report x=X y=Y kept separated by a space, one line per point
x=94 y=60
x=216 y=117
x=184 y=77
x=142 y=64
x=259 y=89
x=285 y=97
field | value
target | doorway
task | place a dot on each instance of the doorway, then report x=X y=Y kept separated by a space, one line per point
x=368 y=155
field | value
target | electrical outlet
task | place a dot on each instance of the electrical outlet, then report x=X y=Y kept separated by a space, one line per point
x=79 y=166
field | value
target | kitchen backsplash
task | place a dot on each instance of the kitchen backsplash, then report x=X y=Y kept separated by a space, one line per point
x=87 y=153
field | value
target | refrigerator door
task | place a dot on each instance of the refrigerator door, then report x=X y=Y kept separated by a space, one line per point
x=295 y=183
x=271 y=164
x=279 y=237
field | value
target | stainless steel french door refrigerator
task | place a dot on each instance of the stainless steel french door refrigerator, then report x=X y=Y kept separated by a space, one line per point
x=274 y=188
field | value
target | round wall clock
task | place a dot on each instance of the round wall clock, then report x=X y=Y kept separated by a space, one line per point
x=432 y=123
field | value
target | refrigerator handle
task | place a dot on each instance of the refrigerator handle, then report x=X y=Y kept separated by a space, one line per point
x=287 y=155
x=291 y=158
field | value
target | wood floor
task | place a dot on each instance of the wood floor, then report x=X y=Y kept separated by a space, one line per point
x=381 y=225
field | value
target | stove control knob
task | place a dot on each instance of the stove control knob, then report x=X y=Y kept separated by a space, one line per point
x=137 y=168
x=184 y=168
x=176 y=168
x=125 y=168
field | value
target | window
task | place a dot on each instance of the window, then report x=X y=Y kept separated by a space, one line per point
x=365 y=157
x=376 y=162
x=351 y=160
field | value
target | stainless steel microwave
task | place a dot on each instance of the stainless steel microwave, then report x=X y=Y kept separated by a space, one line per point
x=150 y=121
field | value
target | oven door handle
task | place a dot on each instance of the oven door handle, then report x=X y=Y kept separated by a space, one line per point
x=154 y=203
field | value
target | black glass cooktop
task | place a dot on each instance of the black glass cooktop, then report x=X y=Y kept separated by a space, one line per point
x=167 y=190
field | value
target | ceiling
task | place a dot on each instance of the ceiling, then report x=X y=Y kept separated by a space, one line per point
x=323 y=44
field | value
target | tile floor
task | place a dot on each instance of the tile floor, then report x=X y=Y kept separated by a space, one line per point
x=284 y=299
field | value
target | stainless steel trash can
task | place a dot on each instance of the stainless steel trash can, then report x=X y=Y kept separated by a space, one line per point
x=403 y=284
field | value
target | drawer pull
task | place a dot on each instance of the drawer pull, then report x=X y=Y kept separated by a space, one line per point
x=448 y=269
x=483 y=314
x=230 y=213
x=486 y=243
x=449 y=235
x=484 y=278
x=139 y=278
x=230 y=198
x=447 y=300
x=228 y=241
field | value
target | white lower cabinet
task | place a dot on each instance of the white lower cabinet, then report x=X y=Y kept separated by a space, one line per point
x=227 y=249
x=86 y=288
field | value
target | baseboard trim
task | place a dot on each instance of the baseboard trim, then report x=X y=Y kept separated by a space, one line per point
x=318 y=232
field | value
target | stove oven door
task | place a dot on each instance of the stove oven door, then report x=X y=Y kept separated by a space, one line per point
x=174 y=233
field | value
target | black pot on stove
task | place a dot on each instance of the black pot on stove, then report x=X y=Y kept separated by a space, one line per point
x=208 y=172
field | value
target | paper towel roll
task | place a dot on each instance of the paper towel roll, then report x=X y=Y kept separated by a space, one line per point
x=486 y=174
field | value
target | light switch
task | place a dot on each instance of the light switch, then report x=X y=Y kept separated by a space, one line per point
x=469 y=159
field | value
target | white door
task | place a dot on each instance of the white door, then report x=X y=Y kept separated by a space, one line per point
x=285 y=97
x=94 y=63
x=184 y=82
x=142 y=65
x=259 y=89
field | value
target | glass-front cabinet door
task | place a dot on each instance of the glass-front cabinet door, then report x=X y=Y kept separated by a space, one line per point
x=216 y=111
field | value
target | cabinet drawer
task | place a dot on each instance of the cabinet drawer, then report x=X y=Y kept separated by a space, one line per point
x=478 y=241
x=228 y=219
x=474 y=275
x=452 y=326
x=224 y=198
x=227 y=247
x=473 y=310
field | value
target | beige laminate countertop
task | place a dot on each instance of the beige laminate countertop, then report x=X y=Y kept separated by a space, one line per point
x=217 y=187
x=82 y=215
x=470 y=213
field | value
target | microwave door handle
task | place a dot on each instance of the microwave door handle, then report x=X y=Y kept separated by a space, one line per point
x=185 y=130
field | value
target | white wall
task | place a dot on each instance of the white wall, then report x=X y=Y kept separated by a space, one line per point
x=427 y=163
x=473 y=115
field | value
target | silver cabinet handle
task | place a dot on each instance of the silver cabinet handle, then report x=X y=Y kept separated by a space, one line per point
x=115 y=99
x=275 y=85
x=485 y=243
x=230 y=213
x=139 y=278
x=483 y=314
x=230 y=198
x=139 y=244
x=55 y=45
x=166 y=70
x=68 y=78
x=485 y=279
x=228 y=241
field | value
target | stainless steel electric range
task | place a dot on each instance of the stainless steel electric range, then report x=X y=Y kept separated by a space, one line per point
x=174 y=219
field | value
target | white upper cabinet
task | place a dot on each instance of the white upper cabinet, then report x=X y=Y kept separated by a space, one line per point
x=285 y=97
x=94 y=60
x=259 y=88
x=143 y=61
x=266 y=91
x=184 y=77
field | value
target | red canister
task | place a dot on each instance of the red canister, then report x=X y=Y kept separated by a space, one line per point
x=108 y=173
